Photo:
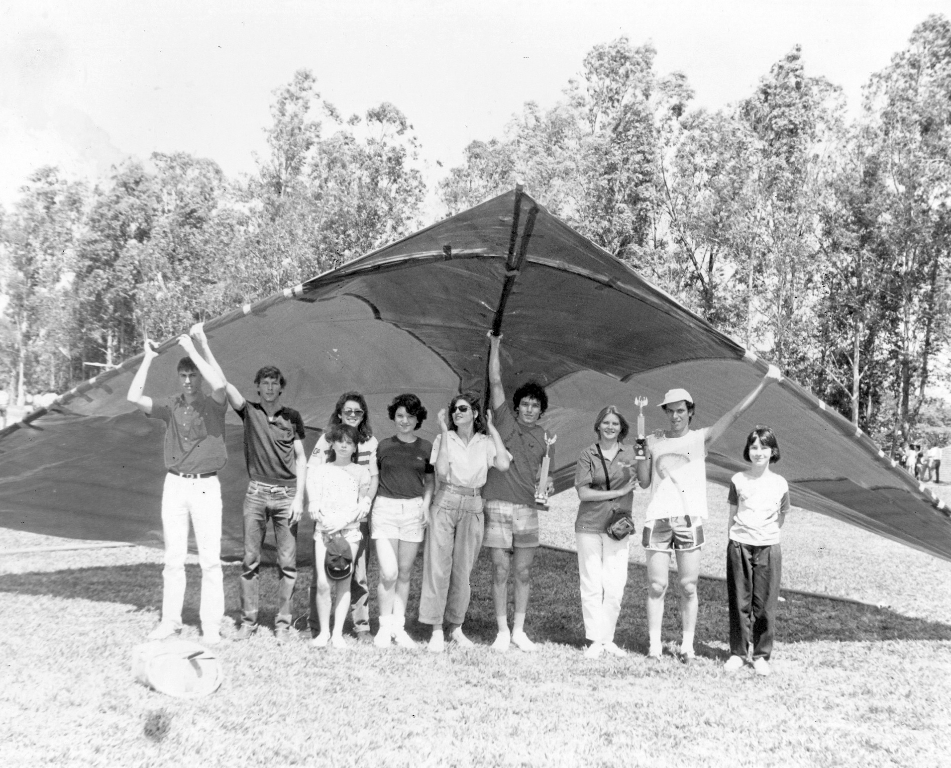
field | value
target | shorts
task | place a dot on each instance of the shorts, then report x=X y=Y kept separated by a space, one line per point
x=678 y=533
x=402 y=519
x=509 y=525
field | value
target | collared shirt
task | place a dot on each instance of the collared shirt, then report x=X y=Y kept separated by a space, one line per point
x=269 y=443
x=526 y=444
x=593 y=516
x=468 y=462
x=678 y=475
x=194 y=433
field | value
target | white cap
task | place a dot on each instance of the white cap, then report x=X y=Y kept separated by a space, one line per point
x=676 y=395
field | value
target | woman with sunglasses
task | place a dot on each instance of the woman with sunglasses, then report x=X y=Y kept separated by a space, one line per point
x=462 y=454
x=351 y=409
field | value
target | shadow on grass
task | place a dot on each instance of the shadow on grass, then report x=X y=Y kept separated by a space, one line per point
x=554 y=611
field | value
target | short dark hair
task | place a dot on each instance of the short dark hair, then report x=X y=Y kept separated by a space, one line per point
x=474 y=401
x=338 y=432
x=603 y=413
x=531 y=389
x=187 y=364
x=413 y=405
x=766 y=437
x=690 y=409
x=364 y=427
x=270 y=372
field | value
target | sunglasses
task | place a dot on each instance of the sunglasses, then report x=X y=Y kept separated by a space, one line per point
x=352 y=412
x=460 y=408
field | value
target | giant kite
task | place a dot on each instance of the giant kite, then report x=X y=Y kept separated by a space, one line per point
x=413 y=317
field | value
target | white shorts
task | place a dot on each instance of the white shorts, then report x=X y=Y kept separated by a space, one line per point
x=402 y=519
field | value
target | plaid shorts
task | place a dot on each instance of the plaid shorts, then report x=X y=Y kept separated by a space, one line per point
x=510 y=525
x=667 y=533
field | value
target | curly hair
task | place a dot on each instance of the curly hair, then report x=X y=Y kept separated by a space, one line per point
x=533 y=390
x=413 y=405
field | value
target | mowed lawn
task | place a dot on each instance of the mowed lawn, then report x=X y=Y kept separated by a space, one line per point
x=859 y=681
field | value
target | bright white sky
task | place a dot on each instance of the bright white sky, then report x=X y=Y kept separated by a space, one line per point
x=84 y=78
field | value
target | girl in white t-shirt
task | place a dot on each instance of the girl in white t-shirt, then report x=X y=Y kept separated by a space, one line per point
x=338 y=498
x=759 y=501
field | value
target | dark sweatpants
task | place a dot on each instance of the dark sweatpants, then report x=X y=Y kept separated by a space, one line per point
x=752 y=584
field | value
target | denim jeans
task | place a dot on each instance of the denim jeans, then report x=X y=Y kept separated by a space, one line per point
x=753 y=575
x=260 y=503
x=452 y=546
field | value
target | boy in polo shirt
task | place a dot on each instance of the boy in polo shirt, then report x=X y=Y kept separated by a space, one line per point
x=511 y=519
x=194 y=453
x=274 y=454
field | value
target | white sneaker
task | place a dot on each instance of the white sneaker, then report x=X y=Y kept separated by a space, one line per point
x=164 y=631
x=210 y=638
x=502 y=641
x=594 y=651
x=521 y=641
x=337 y=641
x=320 y=641
x=437 y=643
x=733 y=664
x=761 y=666
x=403 y=640
x=655 y=652
x=613 y=649
x=460 y=639
x=383 y=634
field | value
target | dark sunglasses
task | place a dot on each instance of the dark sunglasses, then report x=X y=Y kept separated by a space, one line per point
x=460 y=408
x=352 y=412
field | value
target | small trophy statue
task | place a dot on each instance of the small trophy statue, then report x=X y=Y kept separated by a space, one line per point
x=639 y=452
x=541 y=491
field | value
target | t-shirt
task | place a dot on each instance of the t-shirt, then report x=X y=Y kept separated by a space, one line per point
x=366 y=454
x=759 y=503
x=468 y=462
x=526 y=445
x=593 y=516
x=194 y=433
x=678 y=475
x=403 y=467
x=333 y=496
x=934 y=453
x=269 y=443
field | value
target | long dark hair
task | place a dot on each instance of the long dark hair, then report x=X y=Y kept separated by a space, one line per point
x=474 y=402
x=338 y=431
x=363 y=428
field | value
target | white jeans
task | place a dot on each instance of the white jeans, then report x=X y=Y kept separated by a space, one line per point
x=201 y=500
x=602 y=565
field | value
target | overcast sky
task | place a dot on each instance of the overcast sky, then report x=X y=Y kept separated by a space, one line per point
x=84 y=82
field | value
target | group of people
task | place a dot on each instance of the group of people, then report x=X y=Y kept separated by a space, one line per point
x=475 y=486
x=924 y=465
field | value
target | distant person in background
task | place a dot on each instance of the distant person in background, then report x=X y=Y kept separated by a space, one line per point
x=759 y=501
x=351 y=409
x=400 y=514
x=911 y=458
x=934 y=463
x=4 y=406
x=277 y=466
x=194 y=453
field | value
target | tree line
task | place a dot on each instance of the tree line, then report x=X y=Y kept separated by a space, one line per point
x=817 y=237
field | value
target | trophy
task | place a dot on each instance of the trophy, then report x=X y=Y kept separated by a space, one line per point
x=541 y=491
x=641 y=441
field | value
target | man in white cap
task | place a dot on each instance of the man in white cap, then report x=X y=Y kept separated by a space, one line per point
x=676 y=473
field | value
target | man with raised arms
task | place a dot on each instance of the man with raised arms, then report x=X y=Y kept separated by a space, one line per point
x=511 y=519
x=194 y=453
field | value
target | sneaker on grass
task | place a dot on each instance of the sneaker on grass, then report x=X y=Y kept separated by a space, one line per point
x=244 y=632
x=502 y=642
x=337 y=641
x=520 y=640
x=437 y=643
x=460 y=639
x=320 y=641
x=403 y=640
x=614 y=650
x=733 y=664
x=761 y=666
x=594 y=651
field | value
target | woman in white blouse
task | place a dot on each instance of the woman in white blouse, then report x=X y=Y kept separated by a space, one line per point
x=462 y=455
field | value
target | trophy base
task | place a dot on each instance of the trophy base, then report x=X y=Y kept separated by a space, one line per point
x=541 y=502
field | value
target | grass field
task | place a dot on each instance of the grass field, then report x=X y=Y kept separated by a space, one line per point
x=859 y=681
